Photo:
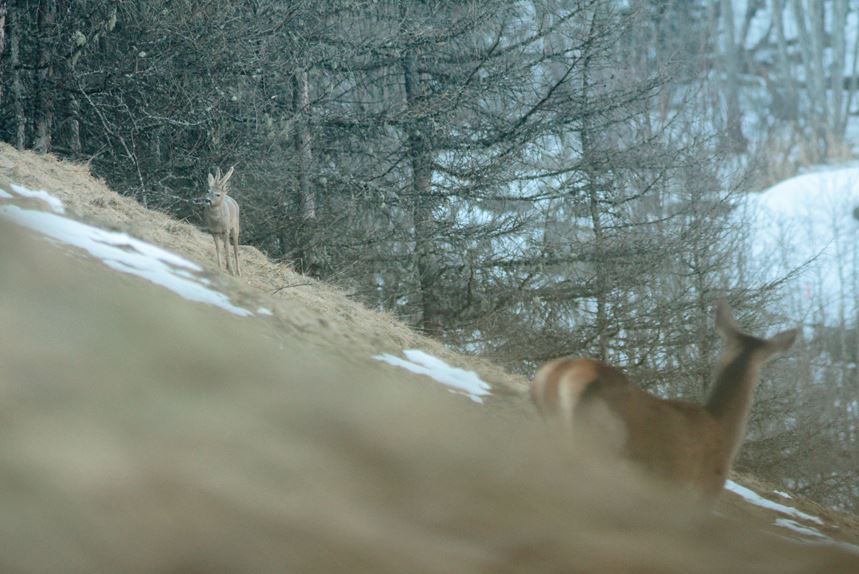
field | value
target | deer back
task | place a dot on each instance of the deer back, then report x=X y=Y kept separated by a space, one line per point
x=674 y=439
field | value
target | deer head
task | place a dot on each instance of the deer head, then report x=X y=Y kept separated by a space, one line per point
x=737 y=373
x=218 y=187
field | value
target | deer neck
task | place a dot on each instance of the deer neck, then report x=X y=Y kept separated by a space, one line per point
x=731 y=399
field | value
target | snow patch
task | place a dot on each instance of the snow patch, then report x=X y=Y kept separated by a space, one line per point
x=799 y=528
x=124 y=253
x=55 y=204
x=264 y=311
x=462 y=382
x=810 y=218
x=783 y=494
x=758 y=500
x=5 y=194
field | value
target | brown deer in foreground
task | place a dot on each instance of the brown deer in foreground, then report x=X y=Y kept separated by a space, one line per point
x=678 y=440
x=222 y=217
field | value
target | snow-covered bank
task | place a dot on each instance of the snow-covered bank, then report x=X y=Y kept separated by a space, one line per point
x=461 y=381
x=799 y=529
x=809 y=219
x=117 y=250
x=758 y=500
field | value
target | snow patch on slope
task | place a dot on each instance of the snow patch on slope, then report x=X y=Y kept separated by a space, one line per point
x=119 y=251
x=461 y=381
x=799 y=528
x=55 y=204
x=754 y=498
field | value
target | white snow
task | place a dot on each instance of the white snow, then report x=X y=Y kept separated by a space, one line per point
x=5 y=194
x=55 y=204
x=782 y=494
x=264 y=311
x=758 y=500
x=796 y=527
x=462 y=381
x=810 y=218
x=122 y=252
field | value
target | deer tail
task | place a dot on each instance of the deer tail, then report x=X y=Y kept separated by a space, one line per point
x=560 y=384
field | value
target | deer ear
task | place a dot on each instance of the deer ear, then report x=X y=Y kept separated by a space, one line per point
x=211 y=180
x=783 y=341
x=218 y=173
x=725 y=322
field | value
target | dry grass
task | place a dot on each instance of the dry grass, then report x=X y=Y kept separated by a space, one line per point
x=303 y=307
x=144 y=434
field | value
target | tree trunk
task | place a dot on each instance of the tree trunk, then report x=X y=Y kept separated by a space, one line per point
x=420 y=158
x=2 y=44
x=305 y=196
x=839 y=49
x=700 y=240
x=811 y=48
x=733 y=115
x=17 y=84
x=600 y=265
x=600 y=270
x=71 y=131
x=818 y=42
x=301 y=97
x=69 y=84
x=44 y=112
x=851 y=86
x=787 y=80
x=74 y=126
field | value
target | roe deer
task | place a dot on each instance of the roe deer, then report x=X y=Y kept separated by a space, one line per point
x=222 y=217
x=678 y=440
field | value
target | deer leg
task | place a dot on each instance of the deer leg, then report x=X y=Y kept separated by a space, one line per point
x=227 y=251
x=236 y=252
x=217 y=250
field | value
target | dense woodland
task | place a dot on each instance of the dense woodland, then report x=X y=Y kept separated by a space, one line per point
x=521 y=179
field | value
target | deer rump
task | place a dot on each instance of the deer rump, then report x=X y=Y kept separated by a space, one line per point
x=582 y=394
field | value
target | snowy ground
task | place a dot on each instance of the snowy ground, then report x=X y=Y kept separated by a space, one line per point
x=809 y=219
x=118 y=251
x=799 y=528
x=759 y=500
x=754 y=498
x=461 y=381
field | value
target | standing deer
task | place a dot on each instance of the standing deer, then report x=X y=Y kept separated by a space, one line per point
x=222 y=217
x=678 y=440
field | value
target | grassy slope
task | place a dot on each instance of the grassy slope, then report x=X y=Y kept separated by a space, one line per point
x=310 y=313
x=315 y=311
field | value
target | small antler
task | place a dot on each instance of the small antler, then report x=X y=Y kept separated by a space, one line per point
x=229 y=174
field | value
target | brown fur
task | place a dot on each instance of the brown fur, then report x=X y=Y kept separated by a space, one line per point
x=677 y=440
